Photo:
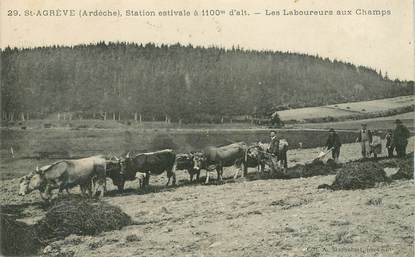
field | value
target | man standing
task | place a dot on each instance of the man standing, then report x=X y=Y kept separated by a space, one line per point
x=334 y=143
x=365 y=138
x=400 y=137
x=274 y=144
x=274 y=150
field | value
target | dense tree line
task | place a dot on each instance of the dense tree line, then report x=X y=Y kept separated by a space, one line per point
x=175 y=82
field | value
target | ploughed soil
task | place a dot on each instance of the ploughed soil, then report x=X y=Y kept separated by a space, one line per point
x=243 y=217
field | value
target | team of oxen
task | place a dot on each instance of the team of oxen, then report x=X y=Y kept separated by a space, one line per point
x=91 y=173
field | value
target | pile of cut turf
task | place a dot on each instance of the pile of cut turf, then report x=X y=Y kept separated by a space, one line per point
x=358 y=175
x=17 y=238
x=315 y=168
x=81 y=217
x=406 y=168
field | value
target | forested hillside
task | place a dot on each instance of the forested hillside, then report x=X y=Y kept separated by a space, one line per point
x=192 y=84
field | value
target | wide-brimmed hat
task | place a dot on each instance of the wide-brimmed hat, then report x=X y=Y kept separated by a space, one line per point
x=398 y=121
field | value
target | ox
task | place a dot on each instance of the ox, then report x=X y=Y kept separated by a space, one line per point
x=154 y=163
x=66 y=174
x=219 y=157
x=185 y=161
x=118 y=178
x=256 y=158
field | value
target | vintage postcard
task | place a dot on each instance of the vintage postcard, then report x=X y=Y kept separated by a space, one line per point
x=207 y=128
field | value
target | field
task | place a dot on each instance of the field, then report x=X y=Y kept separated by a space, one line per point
x=245 y=217
x=381 y=123
x=347 y=109
x=239 y=217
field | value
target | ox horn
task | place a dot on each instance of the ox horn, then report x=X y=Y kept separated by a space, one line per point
x=116 y=158
x=37 y=168
x=128 y=155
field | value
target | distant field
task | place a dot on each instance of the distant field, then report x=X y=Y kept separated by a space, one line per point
x=348 y=109
x=381 y=123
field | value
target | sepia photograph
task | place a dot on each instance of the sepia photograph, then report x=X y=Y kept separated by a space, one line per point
x=223 y=128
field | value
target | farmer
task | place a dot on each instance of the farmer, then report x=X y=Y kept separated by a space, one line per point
x=274 y=144
x=389 y=146
x=365 y=138
x=376 y=144
x=400 y=137
x=334 y=143
x=274 y=149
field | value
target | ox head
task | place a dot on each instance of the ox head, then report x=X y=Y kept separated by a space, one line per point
x=199 y=161
x=32 y=181
x=113 y=170
x=253 y=152
x=130 y=163
x=256 y=151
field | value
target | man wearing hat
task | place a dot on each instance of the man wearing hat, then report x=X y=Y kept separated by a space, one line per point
x=334 y=143
x=274 y=144
x=365 y=139
x=274 y=148
x=400 y=137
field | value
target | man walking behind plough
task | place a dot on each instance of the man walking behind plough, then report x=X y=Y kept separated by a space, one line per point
x=334 y=143
x=400 y=137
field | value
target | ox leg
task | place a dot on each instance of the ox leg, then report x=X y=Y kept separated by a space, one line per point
x=47 y=193
x=62 y=186
x=171 y=174
x=141 y=182
x=191 y=174
x=102 y=188
x=236 y=174
x=207 y=176
x=244 y=168
x=197 y=175
x=120 y=186
x=99 y=184
x=147 y=180
x=83 y=189
x=219 y=170
x=168 y=178
x=89 y=189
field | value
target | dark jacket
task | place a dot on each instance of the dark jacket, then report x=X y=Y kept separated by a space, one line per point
x=369 y=135
x=400 y=135
x=333 y=141
x=273 y=146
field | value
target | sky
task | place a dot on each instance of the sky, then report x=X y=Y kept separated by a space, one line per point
x=381 y=42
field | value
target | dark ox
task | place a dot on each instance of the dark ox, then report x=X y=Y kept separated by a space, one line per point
x=154 y=163
x=219 y=157
x=185 y=161
x=118 y=178
x=66 y=174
